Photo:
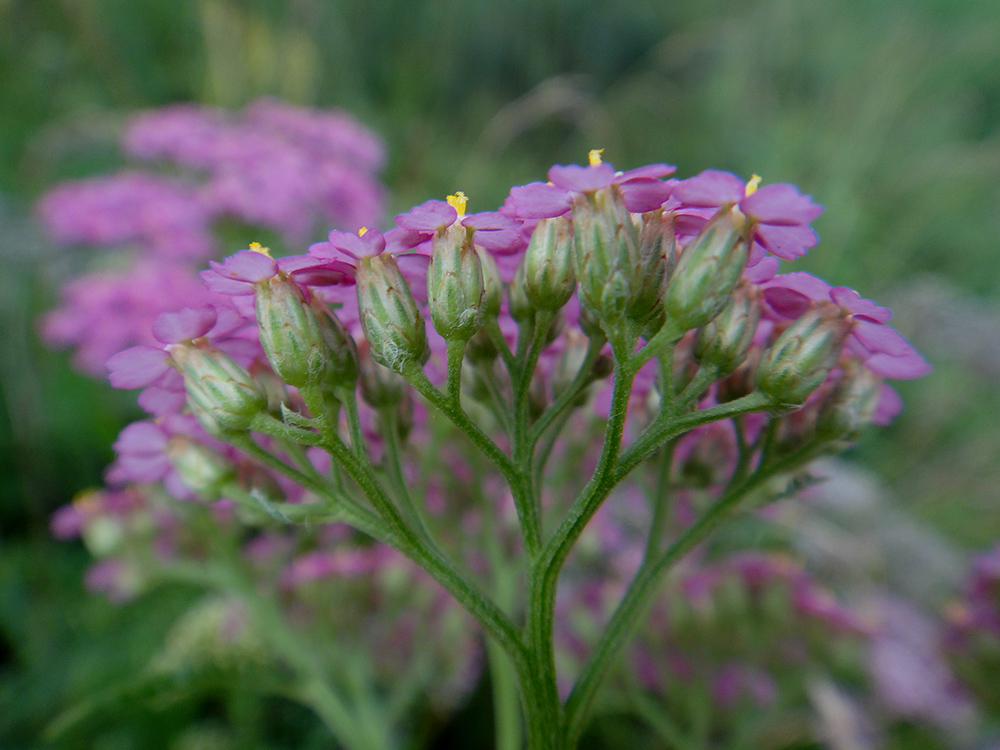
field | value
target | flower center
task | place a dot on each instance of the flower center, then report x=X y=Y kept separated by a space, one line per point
x=594 y=156
x=258 y=248
x=752 y=184
x=458 y=201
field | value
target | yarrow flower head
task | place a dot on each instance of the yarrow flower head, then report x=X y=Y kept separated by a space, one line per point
x=497 y=440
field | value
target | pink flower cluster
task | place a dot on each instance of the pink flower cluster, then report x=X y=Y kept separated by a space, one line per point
x=272 y=166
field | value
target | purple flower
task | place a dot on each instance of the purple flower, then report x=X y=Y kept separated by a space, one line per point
x=780 y=215
x=161 y=215
x=103 y=313
x=884 y=351
x=641 y=188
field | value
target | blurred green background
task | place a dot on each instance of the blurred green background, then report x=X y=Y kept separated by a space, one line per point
x=886 y=111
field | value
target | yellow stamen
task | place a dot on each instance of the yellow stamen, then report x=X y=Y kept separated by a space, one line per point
x=258 y=248
x=752 y=185
x=594 y=157
x=362 y=231
x=458 y=201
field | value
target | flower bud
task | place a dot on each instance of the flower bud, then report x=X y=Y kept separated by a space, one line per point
x=455 y=285
x=709 y=268
x=725 y=340
x=518 y=303
x=570 y=362
x=850 y=405
x=799 y=361
x=492 y=284
x=221 y=393
x=481 y=348
x=381 y=388
x=341 y=350
x=389 y=315
x=200 y=469
x=548 y=274
x=289 y=332
x=656 y=260
x=606 y=250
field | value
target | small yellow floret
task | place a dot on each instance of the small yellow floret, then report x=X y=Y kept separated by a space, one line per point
x=362 y=231
x=458 y=201
x=752 y=185
x=258 y=248
x=594 y=157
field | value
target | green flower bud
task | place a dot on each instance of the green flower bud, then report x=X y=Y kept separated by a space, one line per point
x=710 y=266
x=851 y=404
x=481 y=348
x=548 y=274
x=802 y=357
x=725 y=340
x=520 y=306
x=390 y=318
x=455 y=285
x=570 y=362
x=201 y=469
x=289 y=332
x=492 y=284
x=606 y=252
x=381 y=388
x=341 y=350
x=221 y=393
x=655 y=264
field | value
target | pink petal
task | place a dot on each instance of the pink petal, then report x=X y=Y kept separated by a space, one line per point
x=538 y=200
x=579 y=179
x=137 y=367
x=788 y=242
x=900 y=368
x=780 y=204
x=184 y=325
x=644 y=194
x=710 y=188
x=850 y=299
x=650 y=170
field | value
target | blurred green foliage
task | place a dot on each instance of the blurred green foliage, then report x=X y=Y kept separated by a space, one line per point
x=887 y=112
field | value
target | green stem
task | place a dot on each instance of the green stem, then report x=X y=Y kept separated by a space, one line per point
x=456 y=353
x=583 y=378
x=660 y=500
x=666 y=428
x=545 y=719
x=639 y=594
x=349 y=398
x=404 y=539
x=496 y=336
x=394 y=468
x=354 y=514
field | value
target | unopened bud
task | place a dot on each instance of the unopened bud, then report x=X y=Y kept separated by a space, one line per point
x=481 y=348
x=492 y=284
x=201 y=469
x=709 y=268
x=606 y=250
x=725 y=340
x=290 y=333
x=850 y=405
x=455 y=285
x=222 y=394
x=655 y=264
x=802 y=357
x=381 y=388
x=548 y=274
x=341 y=350
x=389 y=315
x=518 y=303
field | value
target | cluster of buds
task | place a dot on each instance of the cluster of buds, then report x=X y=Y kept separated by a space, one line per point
x=733 y=376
